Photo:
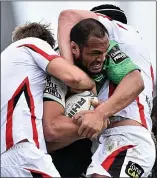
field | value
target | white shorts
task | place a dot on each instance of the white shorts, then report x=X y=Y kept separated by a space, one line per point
x=26 y=160
x=125 y=151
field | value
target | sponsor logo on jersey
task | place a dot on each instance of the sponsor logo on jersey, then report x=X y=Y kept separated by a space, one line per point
x=77 y=106
x=117 y=55
x=52 y=89
x=134 y=170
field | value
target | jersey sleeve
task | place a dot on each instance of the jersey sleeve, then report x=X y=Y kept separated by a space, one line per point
x=117 y=63
x=55 y=90
x=41 y=52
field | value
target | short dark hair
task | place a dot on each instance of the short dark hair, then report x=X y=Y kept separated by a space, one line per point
x=114 y=12
x=85 y=29
x=36 y=30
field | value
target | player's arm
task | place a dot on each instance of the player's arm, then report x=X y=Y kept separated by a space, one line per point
x=70 y=74
x=59 y=130
x=125 y=93
x=122 y=71
x=49 y=61
x=57 y=127
x=67 y=19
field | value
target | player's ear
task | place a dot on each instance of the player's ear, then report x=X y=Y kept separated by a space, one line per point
x=75 y=49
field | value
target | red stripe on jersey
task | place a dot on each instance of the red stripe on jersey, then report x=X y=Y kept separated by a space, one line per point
x=33 y=117
x=41 y=52
x=106 y=164
x=104 y=16
x=44 y=175
x=112 y=87
x=152 y=76
x=9 y=123
x=121 y=26
x=12 y=104
x=141 y=112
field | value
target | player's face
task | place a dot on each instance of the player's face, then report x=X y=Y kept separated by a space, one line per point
x=92 y=55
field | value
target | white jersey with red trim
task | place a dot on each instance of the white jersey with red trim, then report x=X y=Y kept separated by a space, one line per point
x=132 y=44
x=23 y=74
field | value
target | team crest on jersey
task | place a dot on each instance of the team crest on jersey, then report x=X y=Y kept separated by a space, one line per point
x=117 y=55
x=134 y=170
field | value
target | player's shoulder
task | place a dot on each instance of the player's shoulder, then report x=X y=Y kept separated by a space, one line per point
x=32 y=41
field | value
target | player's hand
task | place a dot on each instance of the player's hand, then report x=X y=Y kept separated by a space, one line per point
x=91 y=123
x=95 y=103
x=94 y=91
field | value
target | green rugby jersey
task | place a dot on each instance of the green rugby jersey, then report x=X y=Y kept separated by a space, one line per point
x=116 y=66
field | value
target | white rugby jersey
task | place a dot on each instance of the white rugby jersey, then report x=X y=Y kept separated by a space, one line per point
x=23 y=74
x=131 y=43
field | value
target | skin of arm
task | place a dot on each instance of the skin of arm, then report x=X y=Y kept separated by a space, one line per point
x=67 y=19
x=71 y=75
x=59 y=130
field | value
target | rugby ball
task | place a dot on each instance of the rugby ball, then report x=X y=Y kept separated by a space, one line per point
x=79 y=102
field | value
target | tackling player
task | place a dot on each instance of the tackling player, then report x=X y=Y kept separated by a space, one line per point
x=24 y=65
x=128 y=136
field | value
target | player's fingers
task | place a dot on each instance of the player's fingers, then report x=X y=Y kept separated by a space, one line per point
x=108 y=121
x=86 y=132
x=77 y=119
x=95 y=103
x=94 y=136
x=90 y=134
x=81 y=130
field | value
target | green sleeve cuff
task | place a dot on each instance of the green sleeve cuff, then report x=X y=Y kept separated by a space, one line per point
x=117 y=63
x=117 y=72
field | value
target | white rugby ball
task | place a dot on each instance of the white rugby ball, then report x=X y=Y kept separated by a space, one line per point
x=79 y=102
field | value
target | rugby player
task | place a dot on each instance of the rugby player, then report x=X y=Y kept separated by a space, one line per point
x=24 y=66
x=123 y=151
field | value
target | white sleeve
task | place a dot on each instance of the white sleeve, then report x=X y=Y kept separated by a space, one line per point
x=55 y=90
x=140 y=57
x=41 y=52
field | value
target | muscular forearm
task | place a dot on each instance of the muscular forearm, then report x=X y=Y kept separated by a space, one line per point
x=126 y=92
x=62 y=129
x=64 y=132
x=70 y=74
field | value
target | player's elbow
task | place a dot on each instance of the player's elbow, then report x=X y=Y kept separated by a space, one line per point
x=139 y=83
x=66 y=14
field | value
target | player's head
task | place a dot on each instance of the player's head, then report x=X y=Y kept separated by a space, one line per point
x=89 y=44
x=112 y=11
x=36 y=30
